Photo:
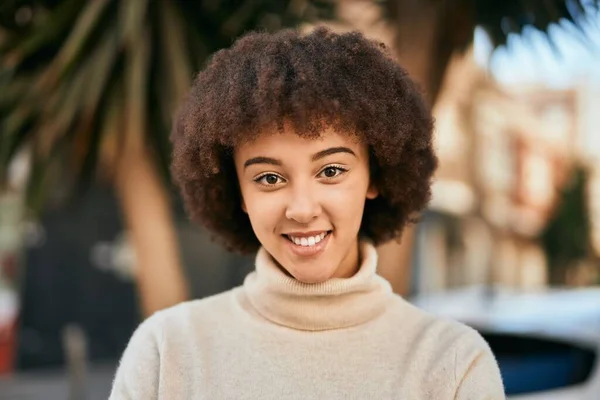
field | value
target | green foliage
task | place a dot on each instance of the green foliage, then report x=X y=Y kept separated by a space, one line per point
x=566 y=238
x=500 y=18
x=80 y=78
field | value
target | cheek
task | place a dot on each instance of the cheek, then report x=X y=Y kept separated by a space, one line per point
x=264 y=210
x=345 y=203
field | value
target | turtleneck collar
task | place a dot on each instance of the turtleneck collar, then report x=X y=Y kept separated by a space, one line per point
x=333 y=304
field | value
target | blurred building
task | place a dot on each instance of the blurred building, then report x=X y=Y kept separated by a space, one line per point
x=588 y=148
x=505 y=153
x=595 y=208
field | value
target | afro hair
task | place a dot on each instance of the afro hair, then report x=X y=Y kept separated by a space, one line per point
x=266 y=80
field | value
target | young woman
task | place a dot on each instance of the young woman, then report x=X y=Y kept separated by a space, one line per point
x=309 y=150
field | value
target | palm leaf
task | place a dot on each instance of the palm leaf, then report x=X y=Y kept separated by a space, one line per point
x=84 y=79
x=500 y=18
x=452 y=24
x=539 y=14
x=74 y=45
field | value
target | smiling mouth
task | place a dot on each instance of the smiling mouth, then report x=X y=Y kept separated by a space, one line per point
x=307 y=241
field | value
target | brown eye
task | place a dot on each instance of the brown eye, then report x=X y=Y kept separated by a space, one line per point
x=330 y=172
x=271 y=179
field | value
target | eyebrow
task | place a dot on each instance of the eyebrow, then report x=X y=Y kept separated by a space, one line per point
x=330 y=151
x=317 y=156
x=261 y=160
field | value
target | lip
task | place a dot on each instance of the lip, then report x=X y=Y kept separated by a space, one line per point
x=308 y=251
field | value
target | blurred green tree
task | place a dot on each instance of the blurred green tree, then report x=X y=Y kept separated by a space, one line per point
x=89 y=87
x=429 y=32
x=566 y=239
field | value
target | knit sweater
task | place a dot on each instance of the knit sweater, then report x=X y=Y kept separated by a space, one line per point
x=277 y=338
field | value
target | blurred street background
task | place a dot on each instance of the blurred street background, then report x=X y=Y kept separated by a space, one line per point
x=93 y=236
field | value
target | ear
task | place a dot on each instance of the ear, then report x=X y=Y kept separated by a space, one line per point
x=372 y=191
x=244 y=209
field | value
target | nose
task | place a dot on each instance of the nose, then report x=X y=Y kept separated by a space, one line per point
x=302 y=206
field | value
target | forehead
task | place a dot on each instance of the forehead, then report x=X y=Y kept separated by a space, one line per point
x=277 y=143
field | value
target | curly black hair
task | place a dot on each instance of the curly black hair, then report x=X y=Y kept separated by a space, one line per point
x=266 y=80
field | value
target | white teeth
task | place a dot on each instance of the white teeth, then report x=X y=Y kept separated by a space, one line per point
x=307 y=241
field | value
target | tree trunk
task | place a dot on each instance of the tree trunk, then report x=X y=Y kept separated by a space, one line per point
x=147 y=211
x=426 y=35
x=395 y=260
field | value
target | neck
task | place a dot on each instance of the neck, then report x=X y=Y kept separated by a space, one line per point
x=339 y=302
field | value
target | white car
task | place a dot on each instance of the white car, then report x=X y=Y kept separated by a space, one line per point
x=547 y=343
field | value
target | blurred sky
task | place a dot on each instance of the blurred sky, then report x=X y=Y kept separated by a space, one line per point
x=530 y=59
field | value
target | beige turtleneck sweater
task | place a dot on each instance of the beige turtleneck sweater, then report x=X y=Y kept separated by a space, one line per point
x=277 y=338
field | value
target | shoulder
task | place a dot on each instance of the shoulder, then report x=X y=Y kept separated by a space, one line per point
x=424 y=321
x=198 y=308
x=162 y=338
x=438 y=336
x=452 y=355
x=456 y=351
x=193 y=314
x=452 y=335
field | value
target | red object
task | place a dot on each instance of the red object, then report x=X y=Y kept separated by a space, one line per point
x=8 y=343
x=9 y=267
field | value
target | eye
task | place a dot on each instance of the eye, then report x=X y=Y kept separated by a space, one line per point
x=332 y=171
x=269 y=179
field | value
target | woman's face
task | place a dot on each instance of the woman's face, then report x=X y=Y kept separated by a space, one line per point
x=305 y=199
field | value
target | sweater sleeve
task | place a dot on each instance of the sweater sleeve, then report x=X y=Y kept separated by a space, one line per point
x=477 y=373
x=138 y=373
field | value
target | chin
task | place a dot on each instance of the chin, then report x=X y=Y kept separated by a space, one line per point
x=316 y=276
